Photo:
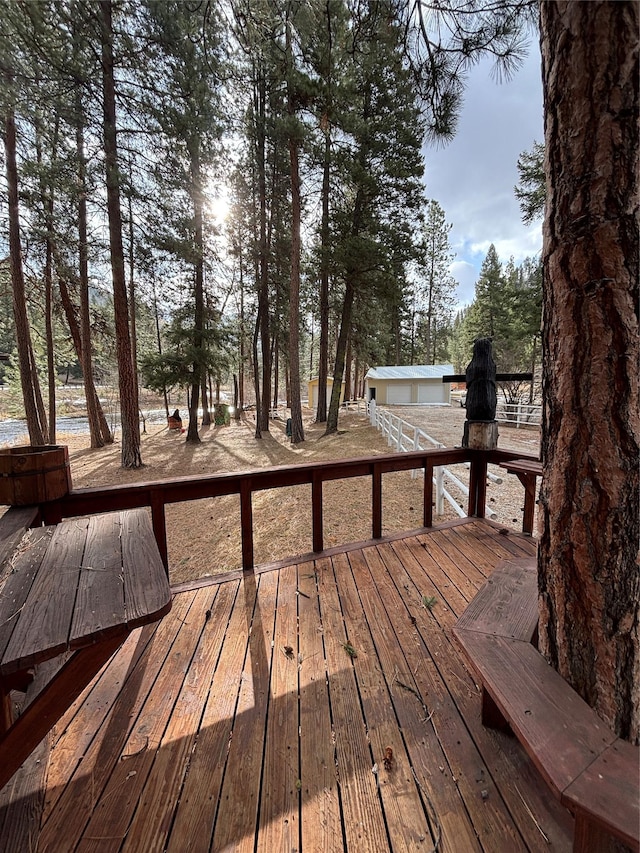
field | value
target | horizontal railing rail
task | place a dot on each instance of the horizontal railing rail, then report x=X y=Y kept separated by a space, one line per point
x=157 y=494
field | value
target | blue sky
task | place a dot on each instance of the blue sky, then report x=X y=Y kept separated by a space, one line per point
x=473 y=177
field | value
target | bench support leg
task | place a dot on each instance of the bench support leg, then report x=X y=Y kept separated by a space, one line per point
x=588 y=837
x=17 y=744
x=492 y=716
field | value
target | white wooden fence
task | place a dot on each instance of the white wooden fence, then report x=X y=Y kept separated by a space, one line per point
x=519 y=414
x=405 y=437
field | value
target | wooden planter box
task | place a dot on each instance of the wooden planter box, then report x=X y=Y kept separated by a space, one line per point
x=34 y=475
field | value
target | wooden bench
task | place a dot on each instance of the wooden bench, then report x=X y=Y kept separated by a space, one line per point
x=69 y=597
x=591 y=771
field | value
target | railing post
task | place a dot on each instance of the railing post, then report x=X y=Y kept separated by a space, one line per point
x=376 y=501
x=316 y=512
x=246 y=524
x=477 y=484
x=159 y=525
x=399 y=438
x=428 y=494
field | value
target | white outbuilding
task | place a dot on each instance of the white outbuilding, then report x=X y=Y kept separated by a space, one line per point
x=418 y=384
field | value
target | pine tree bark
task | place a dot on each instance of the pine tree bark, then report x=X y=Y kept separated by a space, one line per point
x=590 y=507
x=323 y=355
x=99 y=431
x=297 y=429
x=198 y=319
x=341 y=351
x=127 y=385
x=28 y=376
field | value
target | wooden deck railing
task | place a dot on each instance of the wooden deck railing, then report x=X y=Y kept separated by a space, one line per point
x=159 y=493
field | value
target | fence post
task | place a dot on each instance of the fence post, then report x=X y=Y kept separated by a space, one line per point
x=372 y=412
x=416 y=446
x=439 y=491
x=399 y=438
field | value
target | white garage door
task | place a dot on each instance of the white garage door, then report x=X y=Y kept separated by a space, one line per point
x=398 y=394
x=430 y=392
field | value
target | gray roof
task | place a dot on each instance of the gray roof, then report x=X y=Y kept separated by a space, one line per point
x=414 y=371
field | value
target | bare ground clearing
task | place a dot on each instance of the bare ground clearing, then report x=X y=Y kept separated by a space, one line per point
x=204 y=536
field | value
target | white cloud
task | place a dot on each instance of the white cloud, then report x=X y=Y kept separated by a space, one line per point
x=465 y=274
x=473 y=177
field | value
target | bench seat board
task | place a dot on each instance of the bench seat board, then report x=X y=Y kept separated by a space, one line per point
x=608 y=793
x=17 y=584
x=100 y=608
x=142 y=565
x=13 y=525
x=531 y=694
x=46 y=623
x=507 y=604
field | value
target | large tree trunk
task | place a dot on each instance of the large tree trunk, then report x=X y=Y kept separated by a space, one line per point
x=198 y=319
x=590 y=509
x=99 y=431
x=341 y=351
x=127 y=384
x=297 y=429
x=263 y=403
x=323 y=355
x=28 y=376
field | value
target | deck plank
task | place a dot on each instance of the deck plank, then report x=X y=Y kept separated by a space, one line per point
x=405 y=816
x=112 y=815
x=101 y=570
x=503 y=768
x=320 y=822
x=164 y=781
x=200 y=794
x=364 y=826
x=394 y=629
x=278 y=827
x=436 y=670
x=236 y=824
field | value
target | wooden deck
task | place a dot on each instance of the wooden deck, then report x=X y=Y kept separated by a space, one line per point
x=319 y=706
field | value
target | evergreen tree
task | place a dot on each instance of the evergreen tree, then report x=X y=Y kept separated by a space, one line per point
x=381 y=166
x=434 y=291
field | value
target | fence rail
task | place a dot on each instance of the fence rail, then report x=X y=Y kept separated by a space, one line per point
x=519 y=414
x=406 y=438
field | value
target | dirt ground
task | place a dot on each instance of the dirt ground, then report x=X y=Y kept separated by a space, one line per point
x=204 y=536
